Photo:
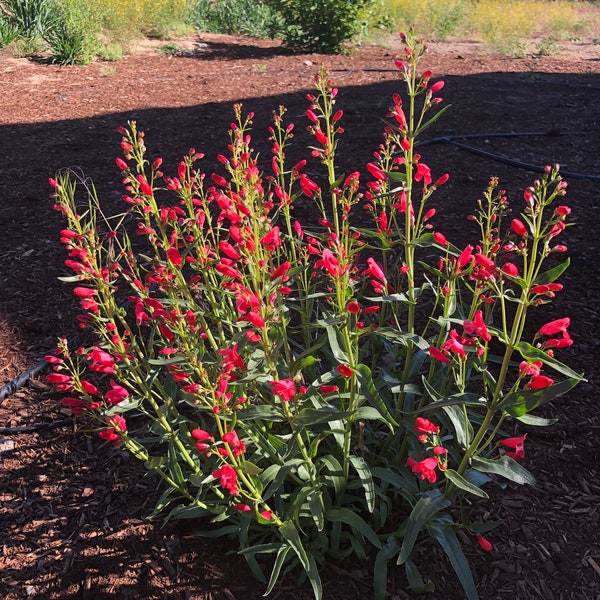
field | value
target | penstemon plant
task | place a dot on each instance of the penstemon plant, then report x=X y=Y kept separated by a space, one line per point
x=320 y=393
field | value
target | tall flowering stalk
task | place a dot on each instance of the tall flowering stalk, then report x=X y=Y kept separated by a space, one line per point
x=323 y=391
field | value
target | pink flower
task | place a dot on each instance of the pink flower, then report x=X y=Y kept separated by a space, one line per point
x=267 y=515
x=242 y=507
x=517 y=444
x=284 y=388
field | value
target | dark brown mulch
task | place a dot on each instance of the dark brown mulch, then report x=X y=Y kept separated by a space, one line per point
x=72 y=508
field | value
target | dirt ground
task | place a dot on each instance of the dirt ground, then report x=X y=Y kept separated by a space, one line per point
x=72 y=508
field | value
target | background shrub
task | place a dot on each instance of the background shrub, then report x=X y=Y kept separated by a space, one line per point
x=320 y=25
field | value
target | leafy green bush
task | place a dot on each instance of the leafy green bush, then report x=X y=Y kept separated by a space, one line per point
x=245 y=17
x=319 y=25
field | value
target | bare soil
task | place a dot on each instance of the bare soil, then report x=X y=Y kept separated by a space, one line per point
x=72 y=508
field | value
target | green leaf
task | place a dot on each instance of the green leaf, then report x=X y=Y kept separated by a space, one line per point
x=369 y=391
x=447 y=539
x=279 y=562
x=281 y=472
x=331 y=328
x=462 y=427
x=314 y=578
x=521 y=402
x=345 y=515
x=529 y=352
x=504 y=466
x=335 y=472
x=415 y=580
x=261 y=412
x=460 y=482
x=425 y=509
x=312 y=416
x=380 y=569
x=364 y=473
x=315 y=504
x=289 y=533
x=535 y=421
x=552 y=274
x=433 y=119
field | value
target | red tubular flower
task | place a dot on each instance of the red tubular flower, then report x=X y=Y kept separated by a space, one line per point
x=308 y=186
x=440 y=238
x=328 y=389
x=519 y=228
x=539 y=382
x=426 y=426
x=244 y=508
x=228 y=479
x=510 y=269
x=553 y=327
x=344 y=370
x=484 y=543
x=284 y=388
x=75 y=404
x=84 y=292
x=436 y=87
x=353 y=307
x=438 y=354
x=465 y=258
x=423 y=173
x=116 y=394
x=237 y=446
x=376 y=172
x=517 y=444
x=424 y=468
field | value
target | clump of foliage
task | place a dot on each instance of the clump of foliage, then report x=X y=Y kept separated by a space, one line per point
x=319 y=392
x=319 y=25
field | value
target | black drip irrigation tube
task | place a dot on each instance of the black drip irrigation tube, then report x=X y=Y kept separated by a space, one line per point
x=12 y=386
x=453 y=140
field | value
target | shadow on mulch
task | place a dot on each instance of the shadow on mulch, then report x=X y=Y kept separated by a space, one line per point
x=71 y=509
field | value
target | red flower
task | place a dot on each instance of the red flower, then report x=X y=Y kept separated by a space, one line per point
x=426 y=426
x=477 y=326
x=539 y=382
x=344 y=370
x=284 y=388
x=518 y=227
x=438 y=354
x=553 y=327
x=328 y=389
x=115 y=395
x=423 y=173
x=440 y=238
x=424 y=468
x=353 y=307
x=231 y=438
x=228 y=476
x=517 y=444
x=484 y=543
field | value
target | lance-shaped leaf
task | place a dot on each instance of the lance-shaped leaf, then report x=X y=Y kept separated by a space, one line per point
x=505 y=466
